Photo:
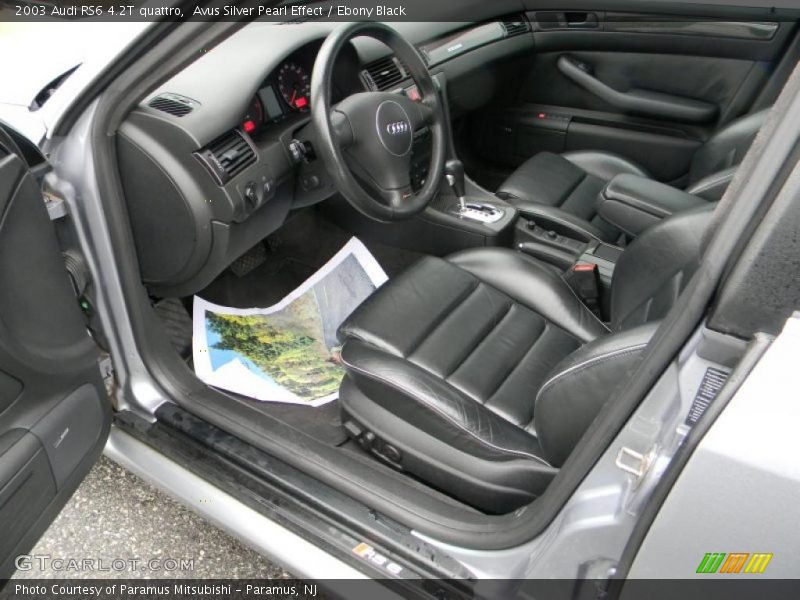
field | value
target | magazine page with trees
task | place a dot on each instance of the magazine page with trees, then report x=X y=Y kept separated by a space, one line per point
x=288 y=352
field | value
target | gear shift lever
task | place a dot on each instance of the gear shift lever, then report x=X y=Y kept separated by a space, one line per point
x=475 y=211
x=454 y=172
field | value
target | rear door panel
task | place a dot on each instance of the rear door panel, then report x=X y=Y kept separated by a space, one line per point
x=712 y=55
x=54 y=412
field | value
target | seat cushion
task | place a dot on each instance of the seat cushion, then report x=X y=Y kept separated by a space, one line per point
x=457 y=350
x=569 y=182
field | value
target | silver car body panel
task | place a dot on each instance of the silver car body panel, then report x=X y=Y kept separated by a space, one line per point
x=739 y=491
x=72 y=161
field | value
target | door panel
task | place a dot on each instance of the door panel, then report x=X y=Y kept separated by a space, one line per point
x=649 y=86
x=708 y=79
x=54 y=412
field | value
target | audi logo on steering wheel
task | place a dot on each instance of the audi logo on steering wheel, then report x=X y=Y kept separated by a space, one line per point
x=397 y=127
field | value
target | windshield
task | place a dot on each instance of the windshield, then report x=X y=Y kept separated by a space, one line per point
x=34 y=54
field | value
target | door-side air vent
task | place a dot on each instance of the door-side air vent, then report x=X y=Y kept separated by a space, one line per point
x=515 y=27
x=384 y=73
x=173 y=104
x=227 y=156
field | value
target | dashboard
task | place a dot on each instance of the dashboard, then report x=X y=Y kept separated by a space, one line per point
x=216 y=158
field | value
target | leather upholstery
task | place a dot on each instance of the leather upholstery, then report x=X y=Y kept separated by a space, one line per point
x=727 y=147
x=517 y=275
x=469 y=334
x=713 y=186
x=633 y=204
x=479 y=373
x=571 y=182
x=454 y=462
x=568 y=401
x=653 y=271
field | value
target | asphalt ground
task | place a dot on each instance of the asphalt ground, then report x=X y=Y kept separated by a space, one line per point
x=128 y=529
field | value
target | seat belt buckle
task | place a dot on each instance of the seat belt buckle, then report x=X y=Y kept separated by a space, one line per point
x=583 y=279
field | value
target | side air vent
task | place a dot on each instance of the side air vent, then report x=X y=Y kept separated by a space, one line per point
x=227 y=156
x=384 y=73
x=515 y=27
x=173 y=104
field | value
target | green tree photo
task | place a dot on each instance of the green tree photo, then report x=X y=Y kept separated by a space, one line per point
x=287 y=347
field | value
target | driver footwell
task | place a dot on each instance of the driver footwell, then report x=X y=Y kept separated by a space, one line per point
x=287 y=259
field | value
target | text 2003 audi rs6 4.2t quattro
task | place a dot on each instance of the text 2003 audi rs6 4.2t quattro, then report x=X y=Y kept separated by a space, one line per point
x=582 y=365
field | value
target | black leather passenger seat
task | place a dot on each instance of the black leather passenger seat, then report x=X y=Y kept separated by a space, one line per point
x=566 y=186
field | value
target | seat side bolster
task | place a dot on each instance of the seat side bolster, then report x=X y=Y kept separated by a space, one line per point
x=712 y=187
x=534 y=286
x=603 y=165
x=727 y=147
x=581 y=384
x=431 y=404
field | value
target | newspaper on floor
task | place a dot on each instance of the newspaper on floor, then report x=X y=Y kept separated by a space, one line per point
x=287 y=352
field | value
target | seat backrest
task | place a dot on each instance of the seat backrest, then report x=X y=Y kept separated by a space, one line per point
x=727 y=147
x=648 y=278
x=654 y=269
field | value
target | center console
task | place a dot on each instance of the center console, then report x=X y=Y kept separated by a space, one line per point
x=587 y=265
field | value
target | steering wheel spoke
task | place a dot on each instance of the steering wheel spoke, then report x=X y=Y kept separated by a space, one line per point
x=341 y=129
x=424 y=115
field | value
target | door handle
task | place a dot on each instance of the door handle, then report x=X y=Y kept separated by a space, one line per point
x=581 y=20
x=636 y=101
x=547 y=20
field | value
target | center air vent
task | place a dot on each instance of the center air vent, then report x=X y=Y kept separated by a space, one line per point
x=173 y=104
x=515 y=27
x=227 y=156
x=384 y=73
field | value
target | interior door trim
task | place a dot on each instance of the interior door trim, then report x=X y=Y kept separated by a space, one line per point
x=674 y=25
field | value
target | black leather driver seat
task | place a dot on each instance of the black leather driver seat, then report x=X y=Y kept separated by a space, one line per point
x=480 y=372
x=565 y=187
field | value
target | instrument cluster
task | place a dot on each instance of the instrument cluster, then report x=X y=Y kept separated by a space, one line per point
x=287 y=90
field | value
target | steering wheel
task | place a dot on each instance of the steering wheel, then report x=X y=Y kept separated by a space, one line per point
x=365 y=140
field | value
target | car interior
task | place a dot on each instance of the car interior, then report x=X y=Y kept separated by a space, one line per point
x=538 y=185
